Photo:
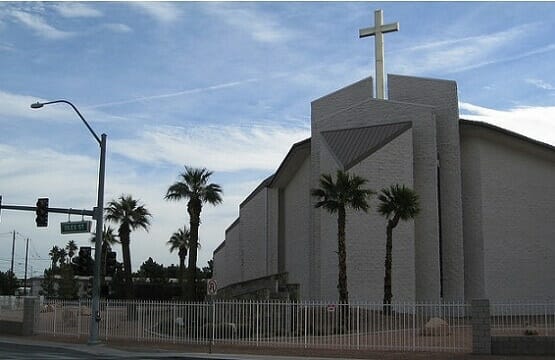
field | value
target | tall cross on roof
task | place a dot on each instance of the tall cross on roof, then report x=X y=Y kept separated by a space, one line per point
x=378 y=30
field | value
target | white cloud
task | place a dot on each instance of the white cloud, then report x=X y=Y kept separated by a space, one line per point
x=455 y=55
x=534 y=122
x=225 y=148
x=261 y=26
x=40 y=26
x=162 y=12
x=74 y=9
x=541 y=84
x=120 y=28
x=177 y=93
x=19 y=106
x=70 y=181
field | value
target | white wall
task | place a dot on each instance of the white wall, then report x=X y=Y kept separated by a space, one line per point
x=296 y=228
x=518 y=223
x=354 y=109
x=253 y=233
x=233 y=255
x=365 y=232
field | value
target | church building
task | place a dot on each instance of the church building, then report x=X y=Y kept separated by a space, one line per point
x=486 y=228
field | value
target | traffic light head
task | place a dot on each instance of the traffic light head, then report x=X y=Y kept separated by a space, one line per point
x=111 y=263
x=42 y=212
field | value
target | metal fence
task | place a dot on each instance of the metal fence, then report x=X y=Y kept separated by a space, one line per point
x=517 y=319
x=409 y=327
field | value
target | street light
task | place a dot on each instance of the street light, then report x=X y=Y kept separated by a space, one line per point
x=99 y=217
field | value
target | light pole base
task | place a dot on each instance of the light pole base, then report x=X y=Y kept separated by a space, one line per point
x=94 y=342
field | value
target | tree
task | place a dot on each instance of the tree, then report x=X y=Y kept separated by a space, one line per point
x=396 y=203
x=68 y=288
x=152 y=271
x=180 y=241
x=62 y=254
x=336 y=197
x=54 y=254
x=71 y=248
x=49 y=284
x=130 y=215
x=193 y=186
x=8 y=283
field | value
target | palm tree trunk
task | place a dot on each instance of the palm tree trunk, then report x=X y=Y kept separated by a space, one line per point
x=124 y=237
x=387 y=295
x=194 y=209
x=342 y=254
x=181 y=276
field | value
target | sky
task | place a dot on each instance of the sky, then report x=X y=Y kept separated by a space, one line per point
x=226 y=86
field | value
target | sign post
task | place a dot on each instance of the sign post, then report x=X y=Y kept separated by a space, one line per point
x=211 y=291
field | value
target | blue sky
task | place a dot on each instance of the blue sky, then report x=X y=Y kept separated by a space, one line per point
x=226 y=86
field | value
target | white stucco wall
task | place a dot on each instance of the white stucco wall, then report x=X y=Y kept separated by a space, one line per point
x=253 y=234
x=360 y=111
x=365 y=232
x=233 y=255
x=442 y=95
x=296 y=228
x=220 y=272
x=517 y=181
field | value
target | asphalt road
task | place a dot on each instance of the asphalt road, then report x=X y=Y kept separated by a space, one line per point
x=29 y=351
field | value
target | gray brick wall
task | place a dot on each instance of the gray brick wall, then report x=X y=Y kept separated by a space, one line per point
x=253 y=234
x=365 y=232
x=442 y=95
x=296 y=228
x=374 y=112
x=517 y=191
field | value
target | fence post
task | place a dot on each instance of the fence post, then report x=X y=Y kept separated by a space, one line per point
x=29 y=315
x=481 y=328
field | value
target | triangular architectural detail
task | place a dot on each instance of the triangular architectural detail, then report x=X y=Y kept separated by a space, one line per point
x=351 y=146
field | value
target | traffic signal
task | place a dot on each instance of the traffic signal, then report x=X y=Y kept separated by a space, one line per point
x=111 y=263
x=42 y=212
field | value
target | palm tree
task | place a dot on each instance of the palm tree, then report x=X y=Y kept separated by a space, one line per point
x=193 y=186
x=335 y=197
x=62 y=253
x=396 y=203
x=180 y=241
x=54 y=254
x=127 y=212
x=71 y=248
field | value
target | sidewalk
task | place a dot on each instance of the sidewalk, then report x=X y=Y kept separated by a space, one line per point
x=138 y=350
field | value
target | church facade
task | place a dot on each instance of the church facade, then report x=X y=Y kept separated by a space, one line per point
x=486 y=227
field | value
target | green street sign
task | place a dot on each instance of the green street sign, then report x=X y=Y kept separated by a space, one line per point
x=76 y=227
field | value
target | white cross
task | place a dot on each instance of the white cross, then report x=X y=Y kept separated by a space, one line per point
x=378 y=30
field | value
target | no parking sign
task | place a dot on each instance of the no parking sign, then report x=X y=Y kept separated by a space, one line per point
x=211 y=287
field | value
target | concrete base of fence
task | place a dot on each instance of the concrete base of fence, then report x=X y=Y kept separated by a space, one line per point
x=8 y=327
x=523 y=345
x=25 y=327
x=481 y=330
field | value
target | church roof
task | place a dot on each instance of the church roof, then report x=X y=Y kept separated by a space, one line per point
x=351 y=146
x=262 y=185
x=289 y=166
x=219 y=247
x=506 y=132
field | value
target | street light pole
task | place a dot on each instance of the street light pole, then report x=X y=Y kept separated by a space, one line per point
x=99 y=217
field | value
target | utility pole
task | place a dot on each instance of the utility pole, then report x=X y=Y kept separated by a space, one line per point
x=26 y=259
x=13 y=250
